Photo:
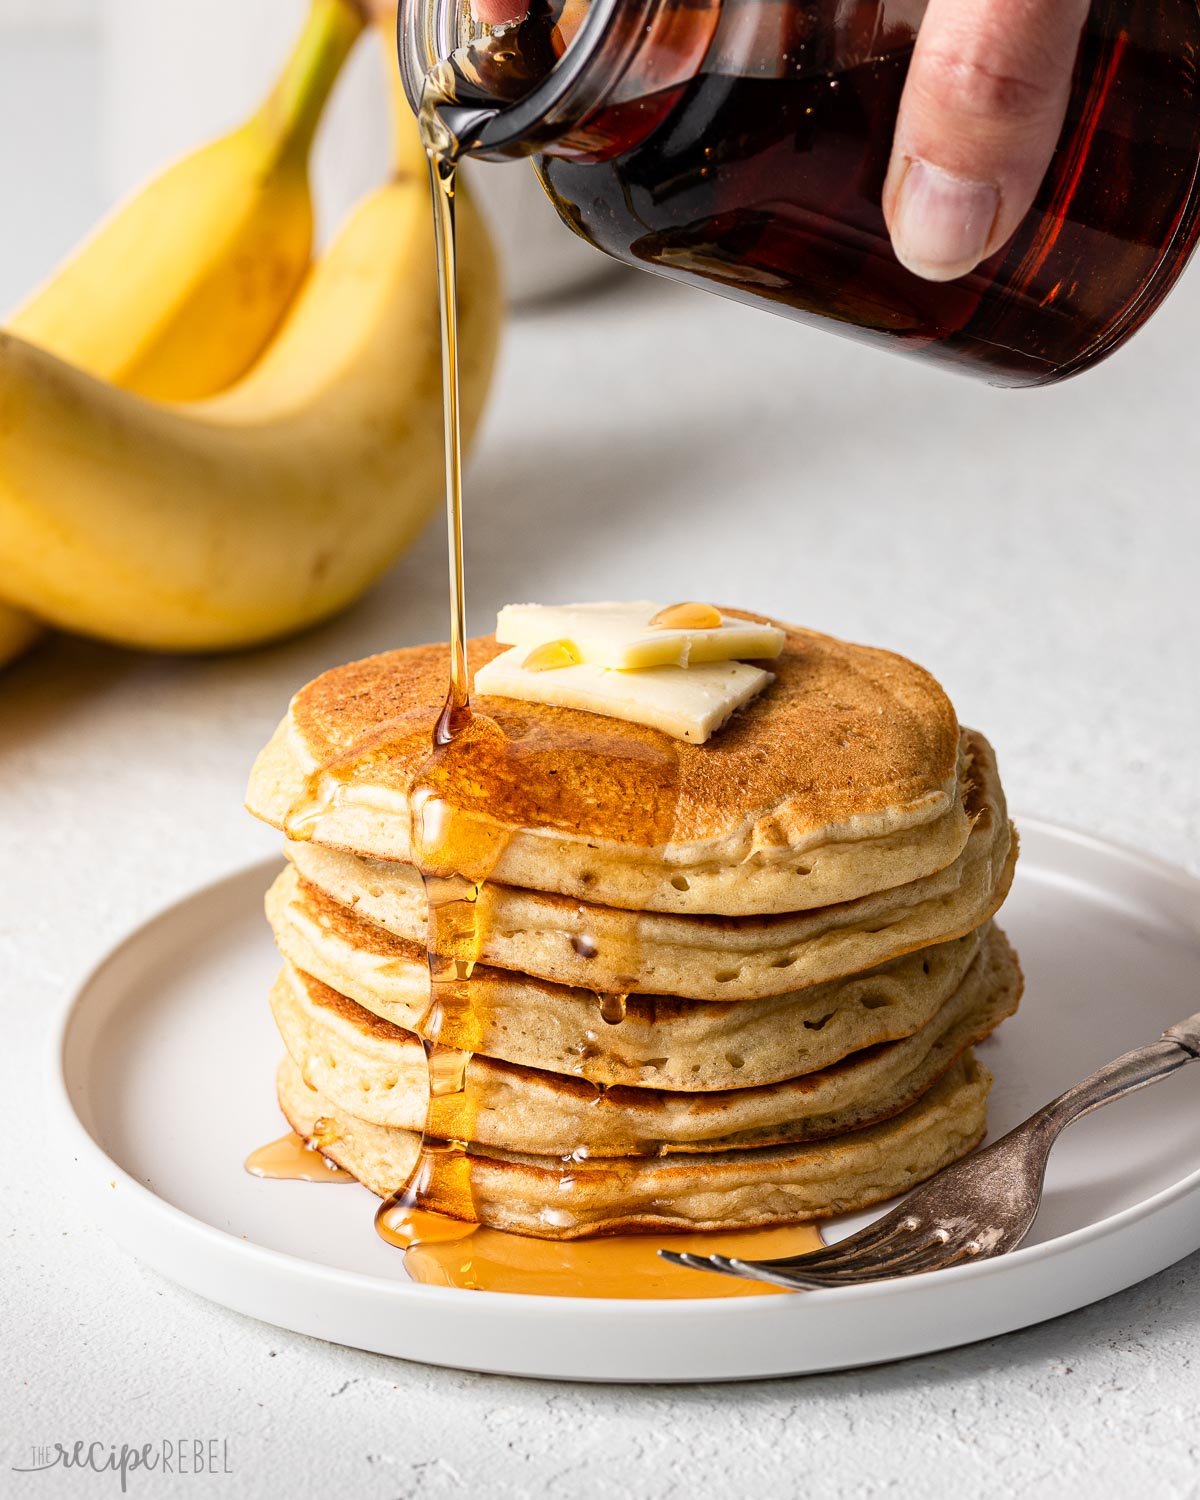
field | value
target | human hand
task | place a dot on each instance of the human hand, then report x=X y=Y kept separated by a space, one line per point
x=498 y=12
x=979 y=119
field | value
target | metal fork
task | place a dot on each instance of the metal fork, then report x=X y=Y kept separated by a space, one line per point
x=981 y=1206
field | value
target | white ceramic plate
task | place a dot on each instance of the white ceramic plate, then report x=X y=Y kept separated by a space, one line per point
x=163 y=1082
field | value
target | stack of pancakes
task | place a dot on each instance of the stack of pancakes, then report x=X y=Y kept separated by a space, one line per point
x=718 y=986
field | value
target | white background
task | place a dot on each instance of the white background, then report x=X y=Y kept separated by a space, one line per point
x=1037 y=551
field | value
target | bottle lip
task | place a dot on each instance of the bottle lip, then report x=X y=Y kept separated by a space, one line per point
x=428 y=31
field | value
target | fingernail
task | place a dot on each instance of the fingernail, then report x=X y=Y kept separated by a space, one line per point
x=941 y=224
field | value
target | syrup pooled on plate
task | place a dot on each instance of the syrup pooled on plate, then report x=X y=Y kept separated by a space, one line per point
x=293 y=1159
x=441 y=1252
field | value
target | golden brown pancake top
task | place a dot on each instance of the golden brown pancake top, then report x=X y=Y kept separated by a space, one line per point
x=845 y=731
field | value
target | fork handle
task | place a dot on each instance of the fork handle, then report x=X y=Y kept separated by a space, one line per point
x=1178 y=1046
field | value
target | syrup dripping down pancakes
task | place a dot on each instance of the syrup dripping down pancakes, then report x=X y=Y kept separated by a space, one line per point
x=676 y=987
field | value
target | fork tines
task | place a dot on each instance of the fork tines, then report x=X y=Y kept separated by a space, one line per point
x=897 y=1245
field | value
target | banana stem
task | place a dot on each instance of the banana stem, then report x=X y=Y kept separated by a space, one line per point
x=290 y=113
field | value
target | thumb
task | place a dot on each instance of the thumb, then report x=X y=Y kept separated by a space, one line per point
x=499 y=12
x=981 y=112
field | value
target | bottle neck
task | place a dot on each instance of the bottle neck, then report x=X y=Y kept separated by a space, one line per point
x=570 y=69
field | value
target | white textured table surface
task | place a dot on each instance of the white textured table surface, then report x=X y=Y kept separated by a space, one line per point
x=1038 y=552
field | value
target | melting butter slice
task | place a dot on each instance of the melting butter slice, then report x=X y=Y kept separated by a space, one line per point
x=621 y=635
x=689 y=703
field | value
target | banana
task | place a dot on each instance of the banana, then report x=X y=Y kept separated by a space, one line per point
x=226 y=522
x=17 y=633
x=180 y=289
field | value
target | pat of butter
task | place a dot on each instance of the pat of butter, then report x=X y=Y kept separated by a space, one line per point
x=621 y=636
x=689 y=703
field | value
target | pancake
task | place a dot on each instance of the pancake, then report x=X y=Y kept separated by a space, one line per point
x=701 y=957
x=840 y=780
x=377 y=1071
x=663 y=1041
x=712 y=1190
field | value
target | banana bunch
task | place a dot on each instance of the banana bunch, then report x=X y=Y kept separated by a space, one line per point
x=205 y=440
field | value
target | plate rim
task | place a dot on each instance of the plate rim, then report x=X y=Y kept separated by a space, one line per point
x=85 y=1152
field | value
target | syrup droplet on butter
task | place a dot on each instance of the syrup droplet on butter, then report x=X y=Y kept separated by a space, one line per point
x=690 y=616
x=551 y=656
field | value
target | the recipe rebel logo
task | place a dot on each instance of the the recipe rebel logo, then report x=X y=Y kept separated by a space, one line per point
x=166 y=1456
